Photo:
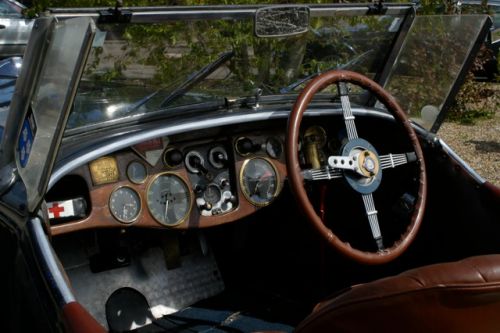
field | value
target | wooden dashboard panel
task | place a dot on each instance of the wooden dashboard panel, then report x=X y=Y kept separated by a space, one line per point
x=101 y=217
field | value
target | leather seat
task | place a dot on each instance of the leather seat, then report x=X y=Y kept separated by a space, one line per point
x=461 y=296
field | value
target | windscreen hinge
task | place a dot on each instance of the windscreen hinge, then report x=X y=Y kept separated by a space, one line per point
x=377 y=8
x=115 y=15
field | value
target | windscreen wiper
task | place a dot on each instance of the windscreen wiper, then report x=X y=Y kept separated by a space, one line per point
x=347 y=65
x=196 y=77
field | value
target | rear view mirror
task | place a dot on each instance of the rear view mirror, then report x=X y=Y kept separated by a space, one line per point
x=281 y=21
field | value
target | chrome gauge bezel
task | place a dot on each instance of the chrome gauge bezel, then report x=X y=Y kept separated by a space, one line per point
x=116 y=189
x=269 y=144
x=135 y=181
x=213 y=162
x=244 y=189
x=191 y=168
x=188 y=192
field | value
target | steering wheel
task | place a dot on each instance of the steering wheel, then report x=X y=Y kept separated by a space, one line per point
x=359 y=163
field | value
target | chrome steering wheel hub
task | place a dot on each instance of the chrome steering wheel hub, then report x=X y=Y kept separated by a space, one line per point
x=367 y=174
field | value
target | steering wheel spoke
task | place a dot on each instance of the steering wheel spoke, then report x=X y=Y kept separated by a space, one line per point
x=324 y=173
x=343 y=91
x=372 y=215
x=395 y=160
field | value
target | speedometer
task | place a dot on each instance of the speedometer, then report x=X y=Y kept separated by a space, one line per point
x=259 y=181
x=169 y=199
x=125 y=204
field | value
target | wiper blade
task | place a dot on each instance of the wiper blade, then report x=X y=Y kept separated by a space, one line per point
x=196 y=77
x=348 y=64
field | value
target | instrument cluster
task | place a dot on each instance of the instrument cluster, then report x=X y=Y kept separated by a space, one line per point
x=189 y=185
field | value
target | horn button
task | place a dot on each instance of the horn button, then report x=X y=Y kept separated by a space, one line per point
x=361 y=165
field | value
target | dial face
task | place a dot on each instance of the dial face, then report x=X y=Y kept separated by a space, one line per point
x=259 y=181
x=212 y=194
x=136 y=172
x=125 y=204
x=169 y=199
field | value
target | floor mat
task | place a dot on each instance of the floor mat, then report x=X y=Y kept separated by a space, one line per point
x=166 y=291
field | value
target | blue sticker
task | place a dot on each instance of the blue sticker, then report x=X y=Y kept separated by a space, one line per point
x=25 y=143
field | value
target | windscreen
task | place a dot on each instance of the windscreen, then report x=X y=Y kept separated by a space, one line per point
x=430 y=62
x=139 y=67
x=47 y=111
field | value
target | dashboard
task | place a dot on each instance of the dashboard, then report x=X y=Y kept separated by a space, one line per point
x=181 y=183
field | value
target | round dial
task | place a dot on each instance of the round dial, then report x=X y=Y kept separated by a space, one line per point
x=125 y=204
x=259 y=181
x=136 y=172
x=169 y=199
x=212 y=194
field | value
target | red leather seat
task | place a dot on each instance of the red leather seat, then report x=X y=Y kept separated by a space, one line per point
x=461 y=296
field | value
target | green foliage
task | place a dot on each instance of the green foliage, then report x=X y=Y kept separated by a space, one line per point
x=475 y=100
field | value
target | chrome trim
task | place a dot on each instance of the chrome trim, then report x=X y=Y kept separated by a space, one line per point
x=197 y=124
x=47 y=259
x=460 y=161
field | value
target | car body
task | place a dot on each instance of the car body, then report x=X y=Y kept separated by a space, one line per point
x=200 y=169
x=15 y=29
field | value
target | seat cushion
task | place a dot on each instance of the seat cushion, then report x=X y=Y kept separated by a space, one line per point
x=462 y=296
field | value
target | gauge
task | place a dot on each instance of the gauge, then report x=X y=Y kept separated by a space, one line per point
x=137 y=172
x=169 y=199
x=125 y=204
x=172 y=157
x=212 y=194
x=259 y=181
x=274 y=147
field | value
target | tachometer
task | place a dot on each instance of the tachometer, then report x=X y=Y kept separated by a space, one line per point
x=169 y=199
x=259 y=181
x=125 y=204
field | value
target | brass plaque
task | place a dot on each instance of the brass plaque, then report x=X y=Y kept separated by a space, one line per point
x=104 y=170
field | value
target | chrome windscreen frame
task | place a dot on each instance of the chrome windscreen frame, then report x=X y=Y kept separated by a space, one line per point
x=164 y=13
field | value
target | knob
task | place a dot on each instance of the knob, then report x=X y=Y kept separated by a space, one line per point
x=198 y=188
x=203 y=205
x=224 y=182
x=219 y=157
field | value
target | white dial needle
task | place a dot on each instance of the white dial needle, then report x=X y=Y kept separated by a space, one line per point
x=166 y=209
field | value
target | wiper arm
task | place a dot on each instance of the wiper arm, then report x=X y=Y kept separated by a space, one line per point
x=196 y=77
x=348 y=64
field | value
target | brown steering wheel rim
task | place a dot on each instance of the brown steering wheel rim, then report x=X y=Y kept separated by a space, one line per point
x=295 y=175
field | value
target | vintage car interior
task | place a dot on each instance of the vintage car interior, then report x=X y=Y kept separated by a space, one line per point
x=331 y=206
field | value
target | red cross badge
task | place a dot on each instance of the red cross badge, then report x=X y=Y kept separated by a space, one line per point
x=58 y=209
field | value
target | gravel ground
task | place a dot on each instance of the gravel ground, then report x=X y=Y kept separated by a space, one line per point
x=478 y=144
